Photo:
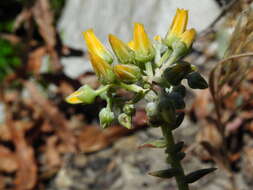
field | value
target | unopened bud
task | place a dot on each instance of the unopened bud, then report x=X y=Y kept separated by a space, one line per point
x=177 y=27
x=96 y=47
x=129 y=109
x=153 y=114
x=144 y=50
x=125 y=120
x=106 y=117
x=124 y=54
x=127 y=73
x=85 y=94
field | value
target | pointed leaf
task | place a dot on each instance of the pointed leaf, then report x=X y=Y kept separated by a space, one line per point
x=180 y=155
x=196 y=81
x=194 y=176
x=165 y=173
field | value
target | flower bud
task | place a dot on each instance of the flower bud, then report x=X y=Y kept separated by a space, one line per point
x=129 y=109
x=95 y=47
x=154 y=116
x=127 y=73
x=102 y=69
x=188 y=37
x=177 y=28
x=124 y=54
x=144 y=50
x=125 y=120
x=85 y=94
x=106 y=117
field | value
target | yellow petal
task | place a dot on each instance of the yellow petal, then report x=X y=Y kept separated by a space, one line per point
x=188 y=37
x=144 y=50
x=179 y=23
x=158 y=38
x=131 y=44
x=141 y=40
x=122 y=51
x=99 y=65
x=73 y=98
x=127 y=72
x=95 y=46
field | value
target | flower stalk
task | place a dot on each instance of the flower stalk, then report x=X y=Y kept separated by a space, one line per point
x=172 y=159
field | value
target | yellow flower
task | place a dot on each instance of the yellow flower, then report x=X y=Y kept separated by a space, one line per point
x=178 y=26
x=122 y=51
x=85 y=94
x=102 y=68
x=144 y=50
x=95 y=47
x=188 y=37
x=127 y=73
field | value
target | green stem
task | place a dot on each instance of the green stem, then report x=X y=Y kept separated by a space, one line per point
x=149 y=69
x=132 y=87
x=171 y=60
x=102 y=89
x=164 y=58
x=172 y=159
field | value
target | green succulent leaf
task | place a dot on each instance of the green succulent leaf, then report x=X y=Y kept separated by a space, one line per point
x=194 y=176
x=196 y=81
x=169 y=173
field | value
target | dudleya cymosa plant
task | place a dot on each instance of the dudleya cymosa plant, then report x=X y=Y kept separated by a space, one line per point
x=138 y=66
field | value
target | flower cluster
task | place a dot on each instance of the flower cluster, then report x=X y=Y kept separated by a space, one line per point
x=137 y=66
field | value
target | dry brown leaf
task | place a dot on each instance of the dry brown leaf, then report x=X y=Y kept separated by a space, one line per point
x=53 y=159
x=22 y=17
x=247 y=169
x=8 y=162
x=26 y=175
x=200 y=105
x=35 y=60
x=209 y=133
x=54 y=115
x=234 y=125
x=94 y=138
x=44 y=18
